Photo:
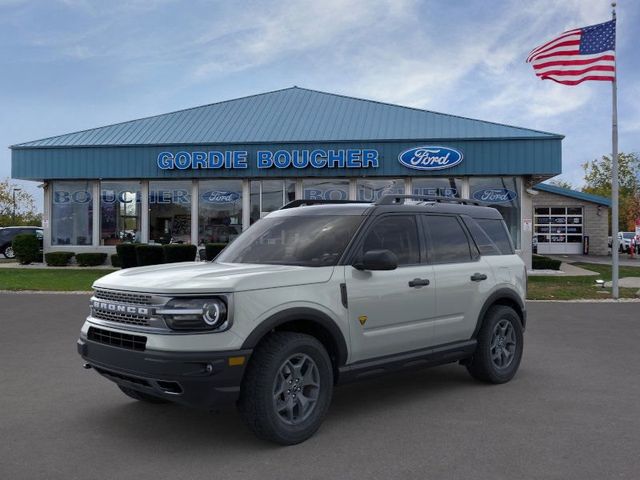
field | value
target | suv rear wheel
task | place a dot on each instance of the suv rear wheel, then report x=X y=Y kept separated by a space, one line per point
x=287 y=388
x=500 y=345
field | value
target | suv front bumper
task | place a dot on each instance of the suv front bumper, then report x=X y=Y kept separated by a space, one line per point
x=196 y=379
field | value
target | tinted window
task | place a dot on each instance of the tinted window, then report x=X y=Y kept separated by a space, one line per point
x=497 y=231
x=448 y=239
x=398 y=234
x=485 y=245
x=312 y=241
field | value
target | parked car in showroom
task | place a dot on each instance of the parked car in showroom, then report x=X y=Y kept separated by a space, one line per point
x=7 y=234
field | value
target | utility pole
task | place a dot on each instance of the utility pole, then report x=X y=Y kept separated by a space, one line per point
x=14 y=203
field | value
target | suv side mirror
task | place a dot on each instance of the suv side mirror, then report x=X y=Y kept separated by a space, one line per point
x=377 y=260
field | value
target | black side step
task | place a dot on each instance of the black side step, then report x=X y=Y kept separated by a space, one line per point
x=427 y=357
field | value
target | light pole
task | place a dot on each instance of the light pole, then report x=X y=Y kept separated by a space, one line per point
x=14 y=202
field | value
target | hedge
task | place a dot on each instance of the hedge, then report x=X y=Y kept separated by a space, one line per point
x=26 y=248
x=115 y=261
x=545 y=263
x=58 y=259
x=90 y=259
x=127 y=255
x=177 y=252
x=149 y=255
x=213 y=249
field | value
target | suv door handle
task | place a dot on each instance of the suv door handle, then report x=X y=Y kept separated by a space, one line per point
x=419 y=282
x=478 y=277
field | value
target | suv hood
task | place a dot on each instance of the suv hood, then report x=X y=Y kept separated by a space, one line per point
x=192 y=277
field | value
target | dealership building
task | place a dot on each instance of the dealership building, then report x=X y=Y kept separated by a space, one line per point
x=205 y=174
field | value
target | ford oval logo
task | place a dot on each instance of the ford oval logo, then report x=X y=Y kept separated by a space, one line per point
x=216 y=196
x=495 y=195
x=430 y=157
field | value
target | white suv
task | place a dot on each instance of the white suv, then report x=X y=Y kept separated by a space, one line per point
x=309 y=297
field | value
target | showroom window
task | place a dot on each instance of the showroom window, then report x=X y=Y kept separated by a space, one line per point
x=219 y=211
x=325 y=189
x=437 y=187
x=170 y=212
x=502 y=193
x=72 y=213
x=119 y=212
x=270 y=195
x=370 y=190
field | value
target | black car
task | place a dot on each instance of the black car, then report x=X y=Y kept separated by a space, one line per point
x=7 y=235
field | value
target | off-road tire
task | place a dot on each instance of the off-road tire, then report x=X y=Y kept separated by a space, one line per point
x=256 y=403
x=141 y=396
x=482 y=365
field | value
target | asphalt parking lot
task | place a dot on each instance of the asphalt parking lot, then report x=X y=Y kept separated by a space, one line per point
x=572 y=412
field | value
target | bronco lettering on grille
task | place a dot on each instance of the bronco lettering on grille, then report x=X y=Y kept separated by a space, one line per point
x=113 y=307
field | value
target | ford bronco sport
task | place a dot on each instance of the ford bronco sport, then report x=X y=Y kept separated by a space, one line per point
x=309 y=297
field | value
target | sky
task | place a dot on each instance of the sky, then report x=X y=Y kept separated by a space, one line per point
x=68 y=65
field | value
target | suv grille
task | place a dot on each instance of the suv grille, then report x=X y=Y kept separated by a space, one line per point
x=124 y=297
x=128 y=318
x=117 y=339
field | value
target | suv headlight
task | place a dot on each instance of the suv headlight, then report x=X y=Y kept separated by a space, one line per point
x=195 y=314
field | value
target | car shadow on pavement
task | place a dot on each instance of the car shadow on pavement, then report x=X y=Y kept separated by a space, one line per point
x=151 y=426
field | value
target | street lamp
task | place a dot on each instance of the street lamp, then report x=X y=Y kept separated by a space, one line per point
x=14 y=203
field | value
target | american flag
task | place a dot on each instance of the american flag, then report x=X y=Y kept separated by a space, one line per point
x=577 y=55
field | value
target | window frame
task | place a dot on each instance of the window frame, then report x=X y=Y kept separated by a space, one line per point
x=474 y=253
x=353 y=250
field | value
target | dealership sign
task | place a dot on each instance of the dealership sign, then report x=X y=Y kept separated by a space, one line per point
x=495 y=195
x=430 y=157
x=266 y=159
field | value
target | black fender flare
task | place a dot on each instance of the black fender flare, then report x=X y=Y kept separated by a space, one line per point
x=305 y=314
x=501 y=294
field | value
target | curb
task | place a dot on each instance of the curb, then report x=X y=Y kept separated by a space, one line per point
x=589 y=300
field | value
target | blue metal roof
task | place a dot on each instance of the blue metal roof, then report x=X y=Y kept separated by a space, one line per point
x=292 y=115
x=566 y=192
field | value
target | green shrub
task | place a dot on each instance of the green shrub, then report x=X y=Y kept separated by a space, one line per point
x=115 y=261
x=149 y=255
x=213 y=249
x=26 y=248
x=545 y=263
x=90 y=259
x=127 y=255
x=177 y=252
x=58 y=259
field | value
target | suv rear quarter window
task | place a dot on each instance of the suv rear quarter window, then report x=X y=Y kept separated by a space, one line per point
x=497 y=232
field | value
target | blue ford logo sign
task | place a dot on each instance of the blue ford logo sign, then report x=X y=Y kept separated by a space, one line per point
x=430 y=157
x=495 y=195
x=216 y=196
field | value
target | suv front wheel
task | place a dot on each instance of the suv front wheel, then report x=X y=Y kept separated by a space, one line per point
x=287 y=388
x=500 y=344
x=8 y=252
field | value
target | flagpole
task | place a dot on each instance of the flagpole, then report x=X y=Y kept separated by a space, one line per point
x=614 y=176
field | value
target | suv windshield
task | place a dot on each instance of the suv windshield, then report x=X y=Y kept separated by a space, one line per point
x=310 y=241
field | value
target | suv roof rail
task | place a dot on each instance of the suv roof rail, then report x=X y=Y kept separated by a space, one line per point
x=392 y=199
x=302 y=202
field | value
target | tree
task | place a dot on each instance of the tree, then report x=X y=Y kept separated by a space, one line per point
x=559 y=182
x=25 y=206
x=597 y=177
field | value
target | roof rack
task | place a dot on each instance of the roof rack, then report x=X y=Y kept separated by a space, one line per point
x=400 y=199
x=302 y=202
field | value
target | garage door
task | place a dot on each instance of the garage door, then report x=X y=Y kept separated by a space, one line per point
x=558 y=229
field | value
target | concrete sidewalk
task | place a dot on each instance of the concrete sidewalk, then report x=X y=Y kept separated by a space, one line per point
x=624 y=259
x=566 y=269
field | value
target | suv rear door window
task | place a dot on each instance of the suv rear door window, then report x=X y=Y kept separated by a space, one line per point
x=397 y=233
x=447 y=238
